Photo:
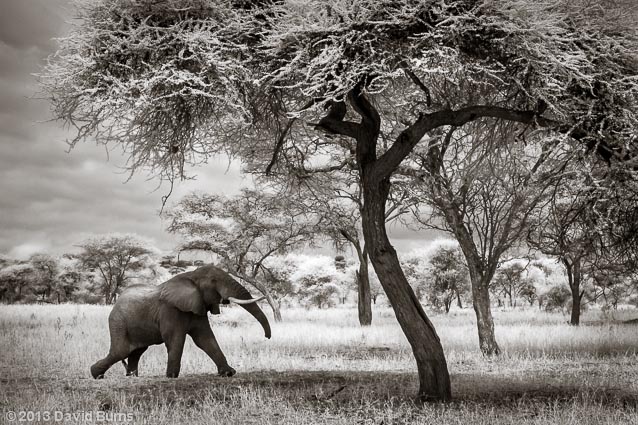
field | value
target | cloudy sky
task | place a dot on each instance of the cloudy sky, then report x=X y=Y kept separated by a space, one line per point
x=51 y=199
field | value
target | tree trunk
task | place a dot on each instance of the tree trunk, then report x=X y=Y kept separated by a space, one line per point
x=274 y=306
x=364 y=300
x=434 y=379
x=458 y=300
x=484 y=320
x=573 y=278
x=480 y=281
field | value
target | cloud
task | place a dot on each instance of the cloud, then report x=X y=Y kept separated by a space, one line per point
x=32 y=23
x=24 y=251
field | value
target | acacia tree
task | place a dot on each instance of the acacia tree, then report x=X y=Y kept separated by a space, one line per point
x=317 y=281
x=338 y=198
x=15 y=280
x=564 y=229
x=115 y=258
x=449 y=276
x=481 y=185
x=440 y=275
x=589 y=227
x=244 y=231
x=511 y=282
x=46 y=274
x=175 y=81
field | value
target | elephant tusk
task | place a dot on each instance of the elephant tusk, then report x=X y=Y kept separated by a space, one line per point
x=250 y=301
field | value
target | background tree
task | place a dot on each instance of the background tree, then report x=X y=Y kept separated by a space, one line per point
x=116 y=258
x=175 y=82
x=588 y=227
x=614 y=286
x=45 y=277
x=556 y=298
x=244 y=231
x=70 y=279
x=337 y=198
x=449 y=276
x=314 y=279
x=565 y=229
x=511 y=282
x=529 y=292
x=438 y=275
x=15 y=281
x=481 y=186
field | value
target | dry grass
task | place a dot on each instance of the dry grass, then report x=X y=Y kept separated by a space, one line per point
x=321 y=367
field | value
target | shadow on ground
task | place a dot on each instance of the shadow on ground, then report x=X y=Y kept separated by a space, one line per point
x=342 y=388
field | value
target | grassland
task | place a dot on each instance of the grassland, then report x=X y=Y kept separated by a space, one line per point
x=321 y=367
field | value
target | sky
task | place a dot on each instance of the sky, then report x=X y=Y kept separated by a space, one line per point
x=52 y=199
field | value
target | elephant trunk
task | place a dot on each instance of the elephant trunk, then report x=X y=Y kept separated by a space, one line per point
x=259 y=315
x=242 y=294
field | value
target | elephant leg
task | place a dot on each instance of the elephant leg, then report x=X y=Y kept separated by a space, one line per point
x=175 y=347
x=204 y=338
x=133 y=361
x=100 y=367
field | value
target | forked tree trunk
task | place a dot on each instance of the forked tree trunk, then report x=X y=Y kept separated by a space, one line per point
x=434 y=379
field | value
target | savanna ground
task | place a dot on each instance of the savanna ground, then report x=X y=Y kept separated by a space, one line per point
x=320 y=367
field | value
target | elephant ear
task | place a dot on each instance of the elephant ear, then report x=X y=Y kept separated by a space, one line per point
x=183 y=294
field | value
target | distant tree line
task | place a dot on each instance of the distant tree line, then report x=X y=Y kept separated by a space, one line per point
x=438 y=273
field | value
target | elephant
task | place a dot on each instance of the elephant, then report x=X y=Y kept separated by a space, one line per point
x=147 y=315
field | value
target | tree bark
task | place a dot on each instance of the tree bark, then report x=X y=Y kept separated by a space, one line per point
x=276 y=310
x=481 y=301
x=434 y=379
x=484 y=320
x=274 y=306
x=364 y=302
x=374 y=174
x=480 y=279
x=573 y=278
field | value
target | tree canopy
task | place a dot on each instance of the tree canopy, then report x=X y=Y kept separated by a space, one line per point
x=290 y=85
x=175 y=81
x=114 y=258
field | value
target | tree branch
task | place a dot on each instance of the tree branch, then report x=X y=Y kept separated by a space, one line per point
x=411 y=136
x=334 y=122
x=415 y=79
